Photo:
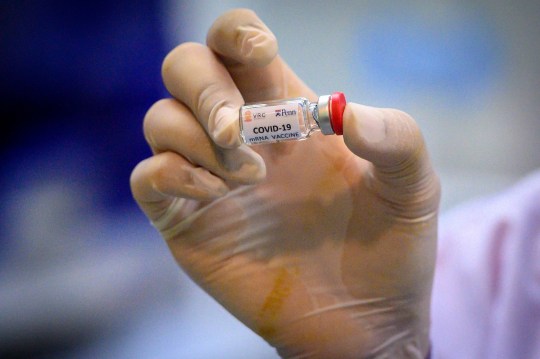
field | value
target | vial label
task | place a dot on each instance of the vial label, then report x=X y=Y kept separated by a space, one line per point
x=271 y=123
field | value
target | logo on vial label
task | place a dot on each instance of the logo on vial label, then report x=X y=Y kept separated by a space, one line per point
x=249 y=116
x=283 y=112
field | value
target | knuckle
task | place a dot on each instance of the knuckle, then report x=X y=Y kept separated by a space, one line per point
x=161 y=172
x=152 y=118
x=187 y=48
x=208 y=99
x=135 y=178
x=245 y=13
x=240 y=13
x=182 y=51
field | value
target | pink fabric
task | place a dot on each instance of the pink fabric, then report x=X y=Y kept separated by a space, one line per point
x=486 y=297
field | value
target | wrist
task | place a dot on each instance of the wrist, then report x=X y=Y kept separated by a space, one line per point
x=403 y=332
x=383 y=329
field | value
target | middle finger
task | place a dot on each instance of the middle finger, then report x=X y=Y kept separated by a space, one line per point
x=195 y=76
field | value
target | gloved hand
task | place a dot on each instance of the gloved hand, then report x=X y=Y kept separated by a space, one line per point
x=324 y=247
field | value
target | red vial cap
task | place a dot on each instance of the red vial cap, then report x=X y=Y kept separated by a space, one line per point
x=337 y=107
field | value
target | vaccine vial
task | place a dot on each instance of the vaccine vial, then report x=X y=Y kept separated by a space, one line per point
x=292 y=119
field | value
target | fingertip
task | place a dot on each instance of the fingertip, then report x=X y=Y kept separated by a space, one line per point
x=244 y=165
x=240 y=36
x=364 y=123
x=258 y=46
x=362 y=126
x=225 y=128
x=383 y=136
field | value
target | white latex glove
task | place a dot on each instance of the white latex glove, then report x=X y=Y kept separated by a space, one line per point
x=324 y=247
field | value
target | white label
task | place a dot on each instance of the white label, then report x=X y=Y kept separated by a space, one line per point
x=271 y=123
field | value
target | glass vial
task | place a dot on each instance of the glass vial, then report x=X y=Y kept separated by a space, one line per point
x=291 y=119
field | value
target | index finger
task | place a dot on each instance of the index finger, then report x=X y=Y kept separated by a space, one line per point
x=240 y=37
x=200 y=76
x=249 y=50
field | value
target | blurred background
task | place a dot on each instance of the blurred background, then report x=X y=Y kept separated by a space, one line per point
x=82 y=272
